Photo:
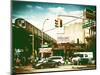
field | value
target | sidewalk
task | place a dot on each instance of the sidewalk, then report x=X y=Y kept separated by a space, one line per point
x=29 y=69
x=23 y=69
x=84 y=67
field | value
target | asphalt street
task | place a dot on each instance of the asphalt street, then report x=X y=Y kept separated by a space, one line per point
x=29 y=70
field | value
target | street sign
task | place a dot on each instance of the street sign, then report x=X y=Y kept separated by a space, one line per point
x=43 y=46
x=88 y=24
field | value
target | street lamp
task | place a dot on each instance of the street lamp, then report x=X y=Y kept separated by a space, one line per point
x=42 y=35
x=42 y=30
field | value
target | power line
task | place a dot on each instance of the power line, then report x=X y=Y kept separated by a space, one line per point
x=50 y=29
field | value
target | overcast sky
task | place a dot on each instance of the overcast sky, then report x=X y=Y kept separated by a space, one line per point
x=37 y=12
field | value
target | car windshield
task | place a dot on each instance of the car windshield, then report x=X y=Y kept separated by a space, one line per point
x=78 y=55
x=55 y=58
x=41 y=60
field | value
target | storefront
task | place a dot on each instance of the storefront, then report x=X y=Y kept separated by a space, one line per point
x=45 y=52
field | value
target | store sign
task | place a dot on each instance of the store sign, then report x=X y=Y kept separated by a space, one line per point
x=46 y=50
x=63 y=39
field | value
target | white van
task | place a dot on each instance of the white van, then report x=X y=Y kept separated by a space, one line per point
x=82 y=57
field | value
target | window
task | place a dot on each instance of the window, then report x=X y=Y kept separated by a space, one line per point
x=86 y=55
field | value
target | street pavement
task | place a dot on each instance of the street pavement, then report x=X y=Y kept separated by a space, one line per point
x=29 y=70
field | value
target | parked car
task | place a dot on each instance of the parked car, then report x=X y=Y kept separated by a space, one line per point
x=47 y=63
x=58 y=59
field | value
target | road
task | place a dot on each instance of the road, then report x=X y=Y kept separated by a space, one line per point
x=30 y=70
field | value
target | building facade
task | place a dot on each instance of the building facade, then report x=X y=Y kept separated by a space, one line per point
x=27 y=40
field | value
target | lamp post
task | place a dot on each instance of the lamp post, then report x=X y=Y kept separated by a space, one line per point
x=42 y=31
x=42 y=34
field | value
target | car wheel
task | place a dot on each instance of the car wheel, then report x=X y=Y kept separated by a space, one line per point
x=41 y=67
x=74 y=62
x=56 y=65
x=59 y=63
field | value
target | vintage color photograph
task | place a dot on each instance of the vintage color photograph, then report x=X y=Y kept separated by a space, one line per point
x=52 y=37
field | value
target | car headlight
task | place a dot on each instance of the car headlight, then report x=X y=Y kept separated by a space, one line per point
x=37 y=64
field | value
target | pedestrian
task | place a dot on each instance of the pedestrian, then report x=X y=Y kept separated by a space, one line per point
x=18 y=62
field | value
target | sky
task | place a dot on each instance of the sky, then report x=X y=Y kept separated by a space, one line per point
x=37 y=12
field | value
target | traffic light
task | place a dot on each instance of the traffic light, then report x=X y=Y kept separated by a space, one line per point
x=58 y=22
